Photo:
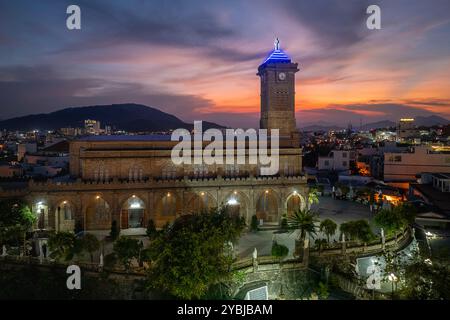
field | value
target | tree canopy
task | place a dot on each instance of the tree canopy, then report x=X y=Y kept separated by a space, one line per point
x=357 y=230
x=15 y=219
x=396 y=218
x=305 y=221
x=328 y=227
x=188 y=256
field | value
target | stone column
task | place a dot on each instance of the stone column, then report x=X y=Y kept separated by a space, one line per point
x=255 y=260
x=251 y=210
x=115 y=210
x=51 y=217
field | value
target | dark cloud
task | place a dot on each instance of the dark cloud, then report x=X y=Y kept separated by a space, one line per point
x=337 y=24
x=24 y=90
x=172 y=23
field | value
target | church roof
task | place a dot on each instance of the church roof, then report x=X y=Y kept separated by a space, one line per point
x=277 y=55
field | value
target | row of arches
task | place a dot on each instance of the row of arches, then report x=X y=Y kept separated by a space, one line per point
x=134 y=211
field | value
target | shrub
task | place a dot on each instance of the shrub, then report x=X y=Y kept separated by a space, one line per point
x=151 y=229
x=91 y=244
x=126 y=249
x=279 y=250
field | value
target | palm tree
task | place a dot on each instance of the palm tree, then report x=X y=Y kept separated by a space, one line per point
x=328 y=227
x=320 y=244
x=305 y=221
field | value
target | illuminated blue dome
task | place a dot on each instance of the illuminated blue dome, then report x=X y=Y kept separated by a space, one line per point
x=277 y=55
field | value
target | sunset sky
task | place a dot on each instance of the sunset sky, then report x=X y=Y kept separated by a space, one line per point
x=198 y=59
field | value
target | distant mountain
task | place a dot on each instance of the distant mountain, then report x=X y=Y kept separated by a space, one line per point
x=431 y=121
x=129 y=117
x=379 y=125
x=319 y=126
x=426 y=121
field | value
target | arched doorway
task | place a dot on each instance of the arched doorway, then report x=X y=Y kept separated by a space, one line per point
x=42 y=217
x=235 y=204
x=267 y=207
x=200 y=203
x=98 y=215
x=133 y=213
x=65 y=216
x=294 y=203
x=167 y=205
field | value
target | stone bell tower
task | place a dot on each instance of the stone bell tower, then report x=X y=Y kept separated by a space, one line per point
x=277 y=75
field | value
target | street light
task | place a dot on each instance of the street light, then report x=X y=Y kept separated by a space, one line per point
x=392 y=278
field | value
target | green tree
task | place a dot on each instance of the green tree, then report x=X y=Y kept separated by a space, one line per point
x=126 y=249
x=63 y=246
x=151 y=229
x=358 y=230
x=304 y=221
x=426 y=281
x=328 y=227
x=114 y=232
x=313 y=197
x=346 y=229
x=418 y=278
x=320 y=244
x=362 y=231
x=395 y=219
x=189 y=256
x=90 y=244
x=16 y=219
x=323 y=291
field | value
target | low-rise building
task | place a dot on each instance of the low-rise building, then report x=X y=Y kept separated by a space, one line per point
x=8 y=170
x=337 y=160
x=434 y=190
x=406 y=166
x=24 y=148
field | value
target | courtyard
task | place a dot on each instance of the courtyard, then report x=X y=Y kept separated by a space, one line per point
x=339 y=211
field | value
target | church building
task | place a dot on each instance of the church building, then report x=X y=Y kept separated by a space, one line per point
x=131 y=179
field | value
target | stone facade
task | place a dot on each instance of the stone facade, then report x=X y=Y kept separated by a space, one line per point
x=96 y=204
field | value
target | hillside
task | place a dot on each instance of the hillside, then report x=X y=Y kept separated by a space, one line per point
x=129 y=117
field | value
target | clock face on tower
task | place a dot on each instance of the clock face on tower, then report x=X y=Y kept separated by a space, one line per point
x=282 y=76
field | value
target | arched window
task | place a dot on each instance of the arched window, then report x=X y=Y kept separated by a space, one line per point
x=101 y=173
x=169 y=172
x=67 y=211
x=200 y=170
x=232 y=170
x=135 y=173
